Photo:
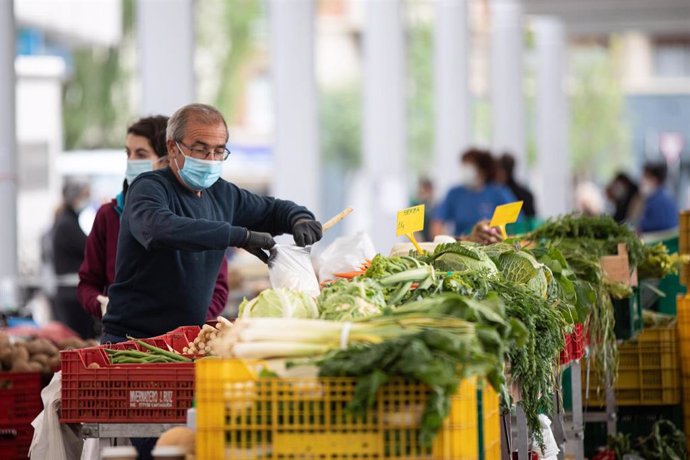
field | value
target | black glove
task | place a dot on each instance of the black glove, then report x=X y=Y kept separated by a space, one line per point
x=307 y=232
x=258 y=243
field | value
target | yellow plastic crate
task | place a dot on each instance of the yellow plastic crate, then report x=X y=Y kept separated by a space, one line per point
x=648 y=371
x=242 y=417
x=683 y=321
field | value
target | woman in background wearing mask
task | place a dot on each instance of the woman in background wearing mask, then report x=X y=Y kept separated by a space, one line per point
x=660 y=211
x=146 y=151
x=471 y=203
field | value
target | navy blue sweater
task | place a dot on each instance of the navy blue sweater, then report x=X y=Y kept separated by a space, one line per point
x=170 y=246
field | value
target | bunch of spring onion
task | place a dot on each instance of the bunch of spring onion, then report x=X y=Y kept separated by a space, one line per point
x=266 y=338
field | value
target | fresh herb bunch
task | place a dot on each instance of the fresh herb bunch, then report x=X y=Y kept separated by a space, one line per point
x=605 y=232
x=658 y=263
x=583 y=259
x=534 y=365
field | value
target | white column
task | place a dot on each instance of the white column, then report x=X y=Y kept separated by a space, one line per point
x=165 y=39
x=451 y=90
x=384 y=136
x=8 y=164
x=507 y=94
x=553 y=181
x=296 y=149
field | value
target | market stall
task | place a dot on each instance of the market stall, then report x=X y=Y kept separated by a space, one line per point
x=455 y=352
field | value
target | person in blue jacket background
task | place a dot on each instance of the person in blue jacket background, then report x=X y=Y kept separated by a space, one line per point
x=475 y=199
x=660 y=211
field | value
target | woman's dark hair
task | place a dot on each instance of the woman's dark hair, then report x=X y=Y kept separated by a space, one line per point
x=153 y=129
x=656 y=170
x=485 y=162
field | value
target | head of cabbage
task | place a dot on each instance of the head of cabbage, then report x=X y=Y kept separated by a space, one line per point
x=279 y=303
x=456 y=257
x=520 y=267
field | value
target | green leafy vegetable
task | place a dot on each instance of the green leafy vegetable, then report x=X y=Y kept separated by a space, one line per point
x=279 y=303
x=348 y=300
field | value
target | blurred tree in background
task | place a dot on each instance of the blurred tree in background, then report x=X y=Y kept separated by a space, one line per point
x=227 y=34
x=340 y=134
x=599 y=137
x=97 y=98
x=420 y=97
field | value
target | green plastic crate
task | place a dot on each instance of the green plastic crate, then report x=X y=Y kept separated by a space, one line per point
x=628 y=316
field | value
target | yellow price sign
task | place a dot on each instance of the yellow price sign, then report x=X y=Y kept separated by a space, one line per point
x=505 y=214
x=411 y=220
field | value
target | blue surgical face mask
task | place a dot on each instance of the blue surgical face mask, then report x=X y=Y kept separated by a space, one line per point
x=199 y=174
x=136 y=167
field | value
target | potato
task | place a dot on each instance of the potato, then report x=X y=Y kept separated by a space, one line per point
x=93 y=366
x=6 y=357
x=47 y=346
x=33 y=347
x=40 y=358
x=20 y=353
x=35 y=367
x=20 y=365
x=54 y=362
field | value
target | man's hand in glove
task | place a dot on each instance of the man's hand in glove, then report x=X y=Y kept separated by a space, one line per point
x=306 y=232
x=258 y=243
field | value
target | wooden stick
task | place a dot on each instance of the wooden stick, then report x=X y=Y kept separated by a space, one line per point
x=330 y=223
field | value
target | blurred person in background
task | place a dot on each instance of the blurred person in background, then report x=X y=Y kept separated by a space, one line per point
x=505 y=175
x=660 y=211
x=68 y=245
x=623 y=193
x=469 y=205
x=146 y=151
x=425 y=196
x=588 y=199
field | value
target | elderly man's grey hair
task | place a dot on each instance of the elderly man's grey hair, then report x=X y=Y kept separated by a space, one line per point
x=200 y=112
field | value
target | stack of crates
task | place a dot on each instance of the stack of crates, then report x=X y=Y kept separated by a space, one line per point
x=683 y=320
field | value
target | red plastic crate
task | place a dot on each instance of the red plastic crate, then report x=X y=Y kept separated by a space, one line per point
x=20 y=403
x=15 y=440
x=574 y=347
x=150 y=393
x=20 y=396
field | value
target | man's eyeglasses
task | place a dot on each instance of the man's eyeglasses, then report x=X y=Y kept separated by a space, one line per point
x=217 y=153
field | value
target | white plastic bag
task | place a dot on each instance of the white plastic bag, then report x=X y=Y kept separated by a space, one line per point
x=345 y=254
x=290 y=267
x=551 y=449
x=53 y=441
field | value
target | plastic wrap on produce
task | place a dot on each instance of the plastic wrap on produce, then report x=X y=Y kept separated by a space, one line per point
x=345 y=254
x=290 y=267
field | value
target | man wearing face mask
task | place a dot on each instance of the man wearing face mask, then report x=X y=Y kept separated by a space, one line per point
x=177 y=223
x=68 y=252
x=146 y=151
x=468 y=206
x=660 y=211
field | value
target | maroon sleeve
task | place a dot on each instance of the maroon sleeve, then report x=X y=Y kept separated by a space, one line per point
x=220 y=293
x=92 y=273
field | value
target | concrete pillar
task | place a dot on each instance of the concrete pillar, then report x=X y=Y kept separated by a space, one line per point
x=507 y=93
x=451 y=90
x=8 y=163
x=165 y=47
x=553 y=181
x=384 y=136
x=296 y=149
